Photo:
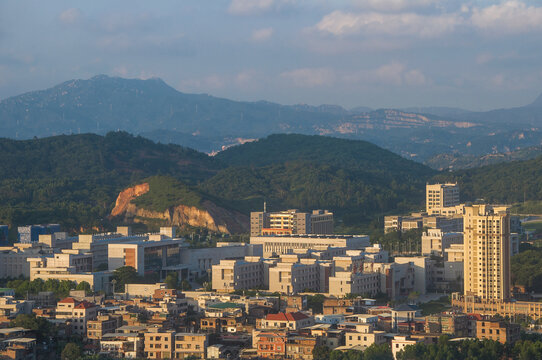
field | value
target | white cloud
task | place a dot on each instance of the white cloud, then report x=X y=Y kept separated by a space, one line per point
x=70 y=16
x=248 y=7
x=414 y=78
x=390 y=73
x=262 y=34
x=310 y=77
x=508 y=17
x=409 y=24
x=393 y=73
x=392 y=5
x=245 y=78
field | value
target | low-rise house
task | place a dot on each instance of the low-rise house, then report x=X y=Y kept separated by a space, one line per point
x=159 y=344
x=77 y=313
x=271 y=345
x=191 y=344
x=500 y=331
x=289 y=321
x=300 y=347
x=104 y=324
x=398 y=343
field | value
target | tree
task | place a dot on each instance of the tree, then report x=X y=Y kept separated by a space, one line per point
x=71 y=352
x=41 y=326
x=124 y=275
x=316 y=303
x=320 y=352
x=185 y=285
x=378 y=352
x=172 y=280
x=83 y=285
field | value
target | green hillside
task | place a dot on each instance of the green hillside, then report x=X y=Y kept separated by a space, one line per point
x=356 y=179
x=507 y=183
x=74 y=180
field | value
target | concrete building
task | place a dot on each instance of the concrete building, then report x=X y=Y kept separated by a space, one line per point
x=69 y=265
x=10 y=307
x=232 y=275
x=58 y=240
x=503 y=332
x=199 y=262
x=402 y=223
x=159 y=344
x=455 y=253
x=452 y=223
x=487 y=252
x=291 y=222
x=295 y=277
x=344 y=283
x=396 y=279
x=365 y=337
x=289 y=321
x=277 y=245
x=30 y=233
x=77 y=313
x=190 y=344
x=399 y=342
x=436 y=241
x=123 y=344
x=421 y=267
x=14 y=259
x=104 y=324
x=144 y=256
x=438 y=197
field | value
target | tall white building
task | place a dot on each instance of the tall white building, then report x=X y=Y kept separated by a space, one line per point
x=441 y=197
x=487 y=252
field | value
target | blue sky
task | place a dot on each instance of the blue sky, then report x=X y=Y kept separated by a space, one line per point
x=378 y=53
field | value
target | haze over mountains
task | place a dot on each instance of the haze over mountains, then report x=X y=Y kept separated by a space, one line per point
x=155 y=110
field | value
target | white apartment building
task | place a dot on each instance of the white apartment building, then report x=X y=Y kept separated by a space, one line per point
x=435 y=241
x=487 y=252
x=231 y=275
x=274 y=245
x=441 y=196
x=292 y=278
x=77 y=313
x=69 y=265
x=344 y=283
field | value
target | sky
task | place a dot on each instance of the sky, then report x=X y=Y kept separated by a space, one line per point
x=476 y=55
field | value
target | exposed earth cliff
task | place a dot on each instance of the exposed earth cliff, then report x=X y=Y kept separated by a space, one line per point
x=206 y=215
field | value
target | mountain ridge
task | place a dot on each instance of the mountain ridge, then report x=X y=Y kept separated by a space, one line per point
x=153 y=108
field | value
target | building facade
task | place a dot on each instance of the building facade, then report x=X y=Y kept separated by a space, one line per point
x=487 y=252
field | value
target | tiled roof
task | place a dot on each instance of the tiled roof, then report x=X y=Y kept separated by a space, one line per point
x=296 y=316
x=67 y=300
x=85 y=305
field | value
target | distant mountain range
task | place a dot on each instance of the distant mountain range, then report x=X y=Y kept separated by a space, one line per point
x=155 y=110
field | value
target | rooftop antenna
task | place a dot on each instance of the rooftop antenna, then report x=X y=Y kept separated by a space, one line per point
x=264 y=206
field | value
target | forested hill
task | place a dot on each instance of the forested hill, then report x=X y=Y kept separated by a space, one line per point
x=507 y=183
x=356 y=179
x=74 y=180
x=351 y=154
x=89 y=155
